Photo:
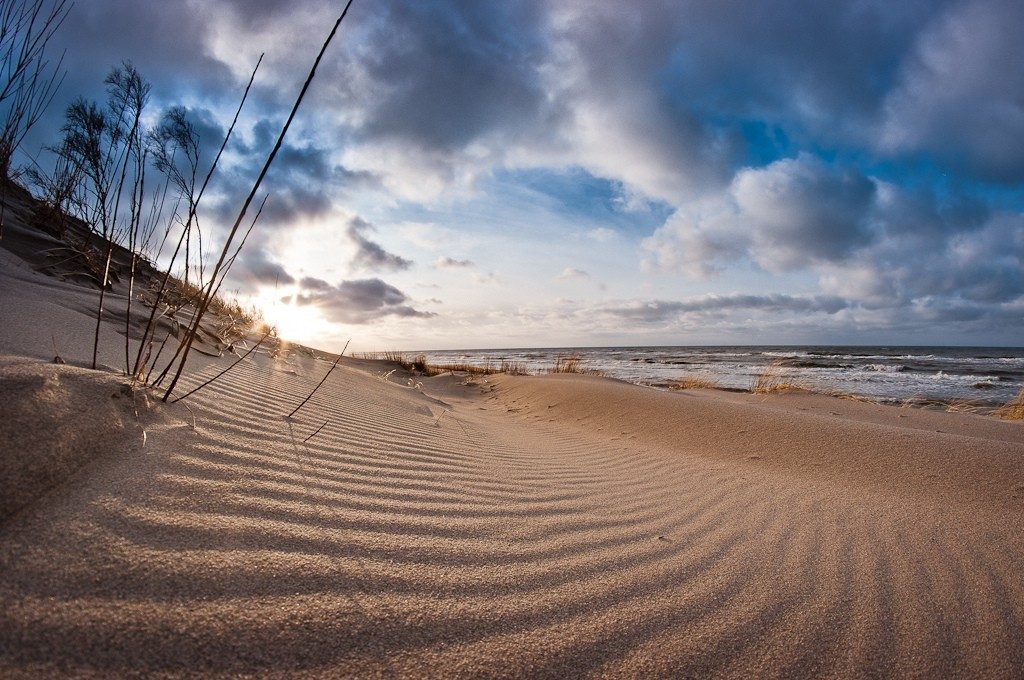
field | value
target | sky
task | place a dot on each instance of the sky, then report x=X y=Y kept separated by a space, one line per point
x=473 y=174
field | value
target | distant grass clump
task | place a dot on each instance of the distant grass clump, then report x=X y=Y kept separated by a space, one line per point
x=1013 y=409
x=513 y=367
x=572 y=363
x=694 y=382
x=773 y=379
x=419 y=364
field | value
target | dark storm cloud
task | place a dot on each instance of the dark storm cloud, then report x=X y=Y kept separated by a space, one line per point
x=371 y=255
x=869 y=241
x=452 y=72
x=718 y=81
x=960 y=94
x=983 y=266
x=300 y=183
x=359 y=301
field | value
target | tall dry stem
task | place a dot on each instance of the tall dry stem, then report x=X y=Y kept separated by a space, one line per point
x=204 y=305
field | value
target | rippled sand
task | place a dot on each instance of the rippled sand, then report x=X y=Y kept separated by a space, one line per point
x=540 y=526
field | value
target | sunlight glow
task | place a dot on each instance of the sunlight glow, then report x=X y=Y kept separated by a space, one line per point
x=299 y=323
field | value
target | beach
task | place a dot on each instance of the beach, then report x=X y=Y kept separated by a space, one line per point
x=485 y=526
x=978 y=377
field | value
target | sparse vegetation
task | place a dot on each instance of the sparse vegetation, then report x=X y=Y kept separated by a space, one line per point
x=28 y=78
x=572 y=363
x=1013 y=409
x=322 y=381
x=773 y=379
x=419 y=364
x=694 y=382
x=96 y=200
x=216 y=274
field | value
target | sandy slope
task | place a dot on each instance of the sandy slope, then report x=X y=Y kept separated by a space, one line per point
x=542 y=526
x=545 y=526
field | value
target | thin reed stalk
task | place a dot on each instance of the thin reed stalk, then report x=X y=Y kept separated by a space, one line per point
x=150 y=328
x=316 y=432
x=322 y=380
x=136 y=217
x=235 y=363
x=204 y=305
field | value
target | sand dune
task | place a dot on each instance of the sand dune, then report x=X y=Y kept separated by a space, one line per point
x=523 y=526
x=544 y=526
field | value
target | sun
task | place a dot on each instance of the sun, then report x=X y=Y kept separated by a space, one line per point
x=295 y=322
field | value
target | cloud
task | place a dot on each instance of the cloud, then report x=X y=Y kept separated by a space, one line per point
x=601 y=234
x=659 y=311
x=452 y=263
x=255 y=268
x=358 y=301
x=917 y=270
x=486 y=279
x=572 y=273
x=801 y=210
x=425 y=235
x=310 y=283
x=790 y=214
x=371 y=255
x=873 y=149
x=960 y=94
x=869 y=241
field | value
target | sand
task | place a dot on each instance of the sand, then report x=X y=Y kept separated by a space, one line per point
x=542 y=526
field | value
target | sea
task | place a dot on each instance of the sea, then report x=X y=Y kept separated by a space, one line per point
x=892 y=374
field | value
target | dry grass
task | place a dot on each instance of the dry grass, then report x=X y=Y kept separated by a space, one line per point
x=852 y=396
x=968 y=406
x=773 y=379
x=1013 y=409
x=572 y=363
x=419 y=364
x=235 y=320
x=387 y=355
x=513 y=367
x=695 y=382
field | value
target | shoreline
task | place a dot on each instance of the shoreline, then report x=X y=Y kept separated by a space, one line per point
x=773 y=379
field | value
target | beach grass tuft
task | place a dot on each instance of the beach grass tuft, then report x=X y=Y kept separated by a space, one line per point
x=694 y=382
x=419 y=364
x=1013 y=409
x=773 y=379
x=572 y=363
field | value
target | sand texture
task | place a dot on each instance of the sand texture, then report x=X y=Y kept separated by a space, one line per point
x=544 y=526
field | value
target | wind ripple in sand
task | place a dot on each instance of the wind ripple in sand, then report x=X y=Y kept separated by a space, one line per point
x=403 y=539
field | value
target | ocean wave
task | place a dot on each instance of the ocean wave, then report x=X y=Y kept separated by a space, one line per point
x=884 y=368
x=810 y=363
